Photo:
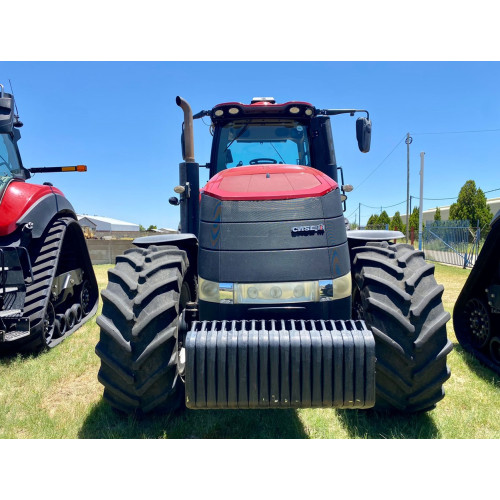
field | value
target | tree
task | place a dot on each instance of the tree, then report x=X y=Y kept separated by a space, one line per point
x=150 y=228
x=471 y=205
x=413 y=222
x=384 y=218
x=141 y=228
x=372 y=221
x=354 y=225
x=437 y=214
x=397 y=223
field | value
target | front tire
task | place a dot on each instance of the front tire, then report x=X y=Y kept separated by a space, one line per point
x=395 y=292
x=145 y=295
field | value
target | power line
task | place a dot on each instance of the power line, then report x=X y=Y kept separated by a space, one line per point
x=380 y=164
x=436 y=199
x=350 y=215
x=388 y=206
x=458 y=132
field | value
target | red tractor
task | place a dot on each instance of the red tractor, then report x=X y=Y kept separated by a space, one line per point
x=264 y=299
x=47 y=284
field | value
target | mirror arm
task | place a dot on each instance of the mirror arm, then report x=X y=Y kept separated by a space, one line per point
x=201 y=114
x=331 y=112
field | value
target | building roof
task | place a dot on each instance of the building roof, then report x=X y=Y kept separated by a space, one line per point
x=84 y=221
x=109 y=224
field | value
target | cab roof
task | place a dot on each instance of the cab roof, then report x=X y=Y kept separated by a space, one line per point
x=262 y=107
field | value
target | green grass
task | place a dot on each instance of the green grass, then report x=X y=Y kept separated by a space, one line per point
x=56 y=395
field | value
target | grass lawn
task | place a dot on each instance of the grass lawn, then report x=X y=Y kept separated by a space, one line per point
x=56 y=394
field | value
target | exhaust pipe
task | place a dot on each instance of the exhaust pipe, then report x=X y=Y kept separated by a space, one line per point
x=188 y=129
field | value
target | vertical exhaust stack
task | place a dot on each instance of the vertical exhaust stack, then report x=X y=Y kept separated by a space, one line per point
x=189 y=174
x=188 y=153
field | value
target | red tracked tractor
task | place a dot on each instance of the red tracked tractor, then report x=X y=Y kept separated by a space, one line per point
x=47 y=284
x=264 y=299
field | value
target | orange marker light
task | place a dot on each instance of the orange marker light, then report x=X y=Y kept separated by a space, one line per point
x=81 y=168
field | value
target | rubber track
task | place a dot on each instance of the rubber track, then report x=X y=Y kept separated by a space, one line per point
x=403 y=307
x=44 y=265
x=138 y=330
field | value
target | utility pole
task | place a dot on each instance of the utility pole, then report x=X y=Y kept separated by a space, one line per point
x=421 y=211
x=408 y=141
x=359 y=214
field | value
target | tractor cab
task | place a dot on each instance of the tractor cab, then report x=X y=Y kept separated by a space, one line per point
x=260 y=133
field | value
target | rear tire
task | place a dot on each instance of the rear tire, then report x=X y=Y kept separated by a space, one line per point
x=395 y=292
x=138 y=346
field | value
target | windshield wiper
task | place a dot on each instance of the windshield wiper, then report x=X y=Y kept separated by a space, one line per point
x=237 y=137
x=274 y=147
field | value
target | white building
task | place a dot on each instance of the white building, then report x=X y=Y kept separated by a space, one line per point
x=428 y=215
x=106 y=224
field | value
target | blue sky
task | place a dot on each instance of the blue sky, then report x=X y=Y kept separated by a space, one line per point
x=120 y=118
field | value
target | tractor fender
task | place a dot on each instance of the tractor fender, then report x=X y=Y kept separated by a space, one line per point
x=23 y=203
x=45 y=210
x=374 y=235
x=184 y=241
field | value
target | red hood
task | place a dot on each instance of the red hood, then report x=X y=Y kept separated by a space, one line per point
x=269 y=182
x=17 y=199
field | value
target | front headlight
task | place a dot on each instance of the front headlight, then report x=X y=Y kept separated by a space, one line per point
x=275 y=293
x=208 y=290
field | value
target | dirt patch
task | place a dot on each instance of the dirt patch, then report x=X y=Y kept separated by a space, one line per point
x=75 y=392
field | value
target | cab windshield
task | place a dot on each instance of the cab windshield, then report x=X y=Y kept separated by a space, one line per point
x=9 y=161
x=258 y=142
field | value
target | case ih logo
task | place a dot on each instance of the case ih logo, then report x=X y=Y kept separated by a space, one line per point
x=320 y=228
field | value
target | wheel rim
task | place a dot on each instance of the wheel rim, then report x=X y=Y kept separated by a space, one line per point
x=85 y=298
x=477 y=323
x=48 y=323
x=495 y=350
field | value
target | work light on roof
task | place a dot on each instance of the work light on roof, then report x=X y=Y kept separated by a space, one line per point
x=234 y=111
x=294 y=110
x=270 y=100
x=219 y=112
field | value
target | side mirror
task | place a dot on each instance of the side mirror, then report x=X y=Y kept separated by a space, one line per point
x=363 y=134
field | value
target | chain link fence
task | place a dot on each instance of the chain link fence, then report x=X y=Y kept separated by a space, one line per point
x=452 y=242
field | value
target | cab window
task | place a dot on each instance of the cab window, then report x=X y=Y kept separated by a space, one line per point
x=254 y=142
